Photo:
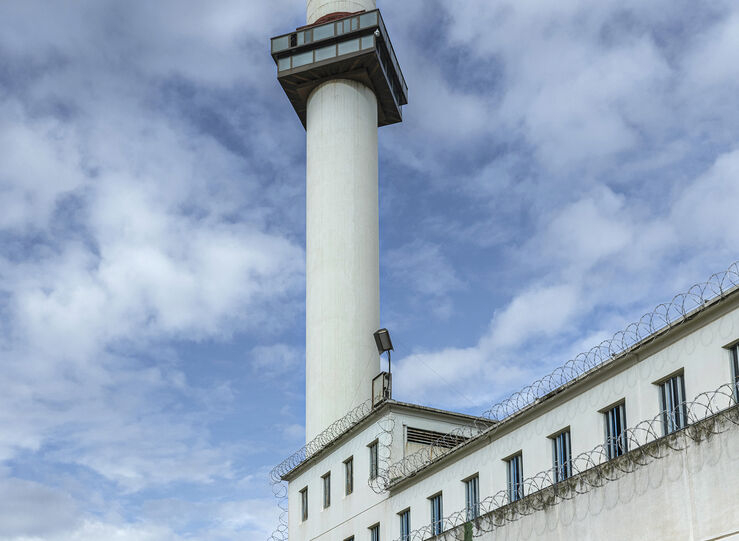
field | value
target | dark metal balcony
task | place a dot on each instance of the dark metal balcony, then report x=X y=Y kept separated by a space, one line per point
x=354 y=47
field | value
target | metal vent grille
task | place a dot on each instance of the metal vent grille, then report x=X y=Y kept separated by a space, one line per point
x=430 y=437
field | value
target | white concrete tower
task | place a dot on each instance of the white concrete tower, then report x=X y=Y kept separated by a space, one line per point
x=335 y=71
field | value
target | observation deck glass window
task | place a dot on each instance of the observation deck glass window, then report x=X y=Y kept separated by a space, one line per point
x=280 y=43
x=367 y=20
x=349 y=476
x=562 y=456
x=283 y=64
x=368 y=42
x=472 y=497
x=515 y=477
x=405 y=525
x=437 y=514
x=325 y=53
x=672 y=402
x=323 y=32
x=615 y=421
x=302 y=59
x=350 y=46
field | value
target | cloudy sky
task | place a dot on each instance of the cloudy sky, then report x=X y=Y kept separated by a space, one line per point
x=562 y=168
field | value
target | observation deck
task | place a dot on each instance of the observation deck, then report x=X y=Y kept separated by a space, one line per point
x=354 y=46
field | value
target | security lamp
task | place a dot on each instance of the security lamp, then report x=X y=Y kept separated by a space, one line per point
x=382 y=339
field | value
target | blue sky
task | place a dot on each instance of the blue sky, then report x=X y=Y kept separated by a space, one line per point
x=562 y=168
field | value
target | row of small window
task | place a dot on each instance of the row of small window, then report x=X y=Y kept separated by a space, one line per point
x=672 y=396
x=325 y=31
x=372 y=449
x=674 y=417
x=472 y=491
x=324 y=53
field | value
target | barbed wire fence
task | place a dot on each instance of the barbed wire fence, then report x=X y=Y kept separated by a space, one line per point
x=664 y=316
x=709 y=414
x=649 y=326
x=334 y=431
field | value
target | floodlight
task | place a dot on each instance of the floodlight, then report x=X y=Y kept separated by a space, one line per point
x=382 y=339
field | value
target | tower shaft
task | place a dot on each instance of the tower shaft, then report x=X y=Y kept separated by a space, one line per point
x=342 y=77
x=342 y=253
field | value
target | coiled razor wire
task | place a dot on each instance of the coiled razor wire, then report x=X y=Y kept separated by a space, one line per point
x=709 y=414
x=334 y=431
x=663 y=316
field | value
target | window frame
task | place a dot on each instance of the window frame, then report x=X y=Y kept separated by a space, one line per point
x=734 y=352
x=404 y=517
x=616 y=445
x=349 y=475
x=374 y=459
x=674 y=415
x=374 y=532
x=303 y=504
x=437 y=512
x=472 y=496
x=562 y=455
x=326 y=483
x=514 y=468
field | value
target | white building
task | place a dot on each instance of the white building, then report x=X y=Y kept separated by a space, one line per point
x=636 y=439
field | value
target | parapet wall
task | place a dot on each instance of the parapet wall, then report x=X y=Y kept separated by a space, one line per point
x=685 y=488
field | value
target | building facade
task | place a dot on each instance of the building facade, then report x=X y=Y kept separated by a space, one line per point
x=637 y=438
x=640 y=445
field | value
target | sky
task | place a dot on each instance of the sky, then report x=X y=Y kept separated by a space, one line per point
x=562 y=168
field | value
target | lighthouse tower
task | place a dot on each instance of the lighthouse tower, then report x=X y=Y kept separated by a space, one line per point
x=342 y=78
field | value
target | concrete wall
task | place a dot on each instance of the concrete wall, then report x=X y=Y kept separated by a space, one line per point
x=689 y=494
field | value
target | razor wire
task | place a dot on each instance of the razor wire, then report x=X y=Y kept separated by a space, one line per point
x=664 y=315
x=709 y=414
x=681 y=307
x=334 y=431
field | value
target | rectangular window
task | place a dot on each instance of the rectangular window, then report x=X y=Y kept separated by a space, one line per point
x=349 y=538
x=373 y=460
x=368 y=42
x=437 y=514
x=562 y=456
x=375 y=532
x=615 y=421
x=472 y=497
x=323 y=32
x=672 y=402
x=349 y=475
x=280 y=44
x=283 y=63
x=368 y=19
x=405 y=524
x=325 y=52
x=735 y=366
x=351 y=46
x=515 y=477
x=326 y=490
x=304 y=504
x=302 y=59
